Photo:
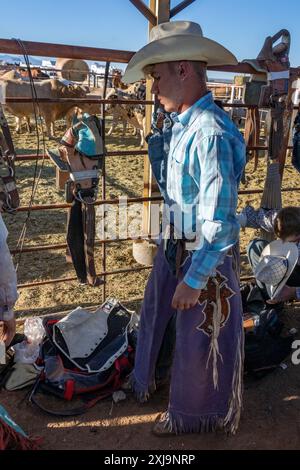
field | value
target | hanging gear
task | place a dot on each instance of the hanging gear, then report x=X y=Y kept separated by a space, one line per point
x=86 y=356
x=81 y=154
x=273 y=60
x=265 y=345
x=251 y=134
x=9 y=197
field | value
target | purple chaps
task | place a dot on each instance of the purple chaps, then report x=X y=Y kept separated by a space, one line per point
x=206 y=375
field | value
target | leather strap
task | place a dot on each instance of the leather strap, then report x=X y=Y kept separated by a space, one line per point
x=75 y=240
x=252 y=131
x=88 y=221
x=40 y=386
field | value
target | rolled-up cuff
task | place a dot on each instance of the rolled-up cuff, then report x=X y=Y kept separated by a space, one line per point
x=195 y=283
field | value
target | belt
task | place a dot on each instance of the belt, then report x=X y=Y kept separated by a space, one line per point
x=176 y=252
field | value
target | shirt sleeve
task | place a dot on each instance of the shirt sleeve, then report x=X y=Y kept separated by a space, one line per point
x=216 y=213
x=158 y=160
x=158 y=150
x=8 y=277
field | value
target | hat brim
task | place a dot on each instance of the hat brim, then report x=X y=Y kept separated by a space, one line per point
x=177 y=47
x=289 y=251
x=273 y=291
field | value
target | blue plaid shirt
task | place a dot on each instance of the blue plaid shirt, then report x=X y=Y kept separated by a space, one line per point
x=199 y=178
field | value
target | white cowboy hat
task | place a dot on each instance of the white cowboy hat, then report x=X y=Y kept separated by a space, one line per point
x=275 y=265
x=177 y=40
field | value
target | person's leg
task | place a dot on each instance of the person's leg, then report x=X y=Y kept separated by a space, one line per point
x=166 y=353
x=156 y=314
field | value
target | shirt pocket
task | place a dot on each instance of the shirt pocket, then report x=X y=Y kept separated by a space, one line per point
x=184 y=179
x=189 y=188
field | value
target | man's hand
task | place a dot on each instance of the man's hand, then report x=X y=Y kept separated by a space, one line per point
x=185 y=297
x=286 y=293
x=8 y=331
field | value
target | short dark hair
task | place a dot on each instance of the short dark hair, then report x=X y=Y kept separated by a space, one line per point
x=287 y=222
x=198 y=67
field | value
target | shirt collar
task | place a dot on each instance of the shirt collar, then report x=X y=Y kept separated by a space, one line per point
x=199 y=106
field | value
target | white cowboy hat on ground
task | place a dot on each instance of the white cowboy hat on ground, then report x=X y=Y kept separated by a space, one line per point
x=176 y=40
x=275 y=265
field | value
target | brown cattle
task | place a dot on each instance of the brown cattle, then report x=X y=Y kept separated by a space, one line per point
x=133 y=115
x=129 y=114
x=94 y=108
x=23 y=74
x=131 y=90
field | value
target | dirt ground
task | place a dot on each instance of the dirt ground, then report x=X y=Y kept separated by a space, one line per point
x=271 y=415
x=270 y=418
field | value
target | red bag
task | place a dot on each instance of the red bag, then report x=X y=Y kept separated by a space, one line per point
x=61 y=378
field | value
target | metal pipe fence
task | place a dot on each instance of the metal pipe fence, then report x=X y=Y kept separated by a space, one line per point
x=106 y=55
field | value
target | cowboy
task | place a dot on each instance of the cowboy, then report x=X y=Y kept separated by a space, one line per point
x=285 y=224
x=199 y=171
x=8 y=289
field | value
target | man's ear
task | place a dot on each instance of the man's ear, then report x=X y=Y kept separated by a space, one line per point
x=183 y=69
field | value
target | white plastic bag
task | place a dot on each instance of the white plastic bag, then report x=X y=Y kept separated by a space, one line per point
x=28 y=350
x=34 y=330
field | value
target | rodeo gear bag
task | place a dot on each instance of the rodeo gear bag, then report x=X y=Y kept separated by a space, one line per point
x=86 y=355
